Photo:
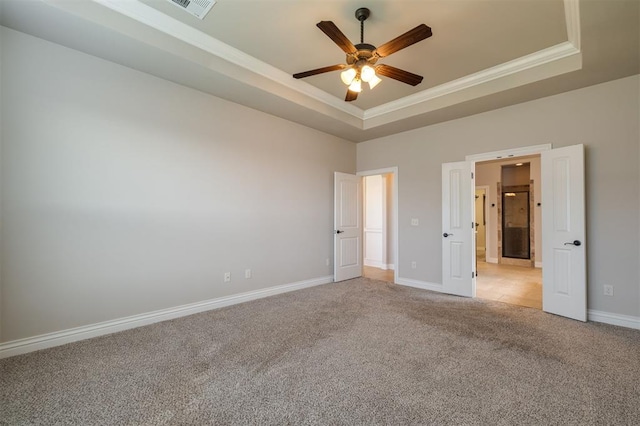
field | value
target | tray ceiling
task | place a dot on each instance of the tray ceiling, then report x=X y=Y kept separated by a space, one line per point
x=483 y=54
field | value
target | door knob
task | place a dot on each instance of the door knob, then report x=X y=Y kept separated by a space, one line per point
x=573 y=243
x=446 y=235
x=339 y=231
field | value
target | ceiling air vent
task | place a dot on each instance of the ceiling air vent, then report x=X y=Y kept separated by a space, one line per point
x=198 y=8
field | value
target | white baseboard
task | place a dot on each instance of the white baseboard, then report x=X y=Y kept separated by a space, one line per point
x=538 y=264
x=419 y=284
x=377 y=264
x=49 y=340
x=492 y=260
x=614 y=319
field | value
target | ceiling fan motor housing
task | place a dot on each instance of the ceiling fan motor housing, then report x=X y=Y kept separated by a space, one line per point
x=364 y=53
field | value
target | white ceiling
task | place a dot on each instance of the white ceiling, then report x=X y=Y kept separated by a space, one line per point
x=484 y=54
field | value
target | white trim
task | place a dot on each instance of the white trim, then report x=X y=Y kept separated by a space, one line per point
x=424 y=285
x=153 y=18
x=518 y=65
x=487 y=223
x=379 y=265
x=572 y=17
x=491 y=260
x=508 y=153
x=393 y=170
x=374 y=264
x=375 y=172
x=559 y=59
x=49 y=340
x=538 y=264
x=614 y=319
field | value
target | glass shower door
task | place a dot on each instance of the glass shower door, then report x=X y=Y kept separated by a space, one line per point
x=515 y=225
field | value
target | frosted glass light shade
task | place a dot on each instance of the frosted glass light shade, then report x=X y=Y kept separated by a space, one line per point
x=356 y=86
x=348 y=75
x=367 y=73
x=374 y=82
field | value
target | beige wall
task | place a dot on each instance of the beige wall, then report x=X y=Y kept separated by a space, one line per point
x=605 y=118
x=124 y=194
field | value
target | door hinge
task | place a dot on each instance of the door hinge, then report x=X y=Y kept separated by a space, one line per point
x=471 y=175
x=473 y=224
x=473 y=274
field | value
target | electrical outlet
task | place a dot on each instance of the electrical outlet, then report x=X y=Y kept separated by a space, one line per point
x=247 y=273
x=608 y=290
x=415 y=222
x=227 y=277
x=414 y=265
x=326 y=261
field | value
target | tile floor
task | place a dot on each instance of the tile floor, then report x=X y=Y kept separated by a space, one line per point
x=515 y=285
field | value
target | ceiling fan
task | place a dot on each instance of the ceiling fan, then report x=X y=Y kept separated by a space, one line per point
x=361 y=58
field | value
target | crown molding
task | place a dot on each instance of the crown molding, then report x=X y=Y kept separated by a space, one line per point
x=572 y=17
x=157 y=20
x=524 y=63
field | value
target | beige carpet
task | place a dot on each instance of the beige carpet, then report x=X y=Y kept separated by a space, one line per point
x=356 y=352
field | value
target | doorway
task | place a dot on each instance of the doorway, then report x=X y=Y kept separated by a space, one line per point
x=507 y=192
x=562 y=210
x=377 y=241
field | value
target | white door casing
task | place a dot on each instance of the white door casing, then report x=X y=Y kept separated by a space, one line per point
x=564 y=289
x=390 y=226
x=458 y=243
x=347 y=227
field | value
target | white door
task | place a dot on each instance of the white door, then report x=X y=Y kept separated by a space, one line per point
x=458 y=245
x=374 y=215
x=564 y=289
x=347 y=262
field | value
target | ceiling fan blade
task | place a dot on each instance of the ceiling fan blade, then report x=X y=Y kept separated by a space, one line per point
x=319 y=71
x=415 y=35
x=351 y=96
x=332 y=31
x=398 y=74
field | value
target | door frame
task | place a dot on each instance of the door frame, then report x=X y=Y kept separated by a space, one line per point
x=504 y=155
x=394 y=213
x=487 y=223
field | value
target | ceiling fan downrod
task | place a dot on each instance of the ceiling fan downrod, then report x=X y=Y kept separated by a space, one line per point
x=361 y=15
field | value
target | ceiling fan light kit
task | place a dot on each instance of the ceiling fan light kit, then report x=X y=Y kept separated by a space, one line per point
x=361 y=58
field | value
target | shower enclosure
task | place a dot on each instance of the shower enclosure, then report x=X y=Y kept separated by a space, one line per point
x=515 y=225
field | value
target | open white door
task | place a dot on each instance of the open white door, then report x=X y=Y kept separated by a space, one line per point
x=347 y=262
x=458 y=251
x=564 y=289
